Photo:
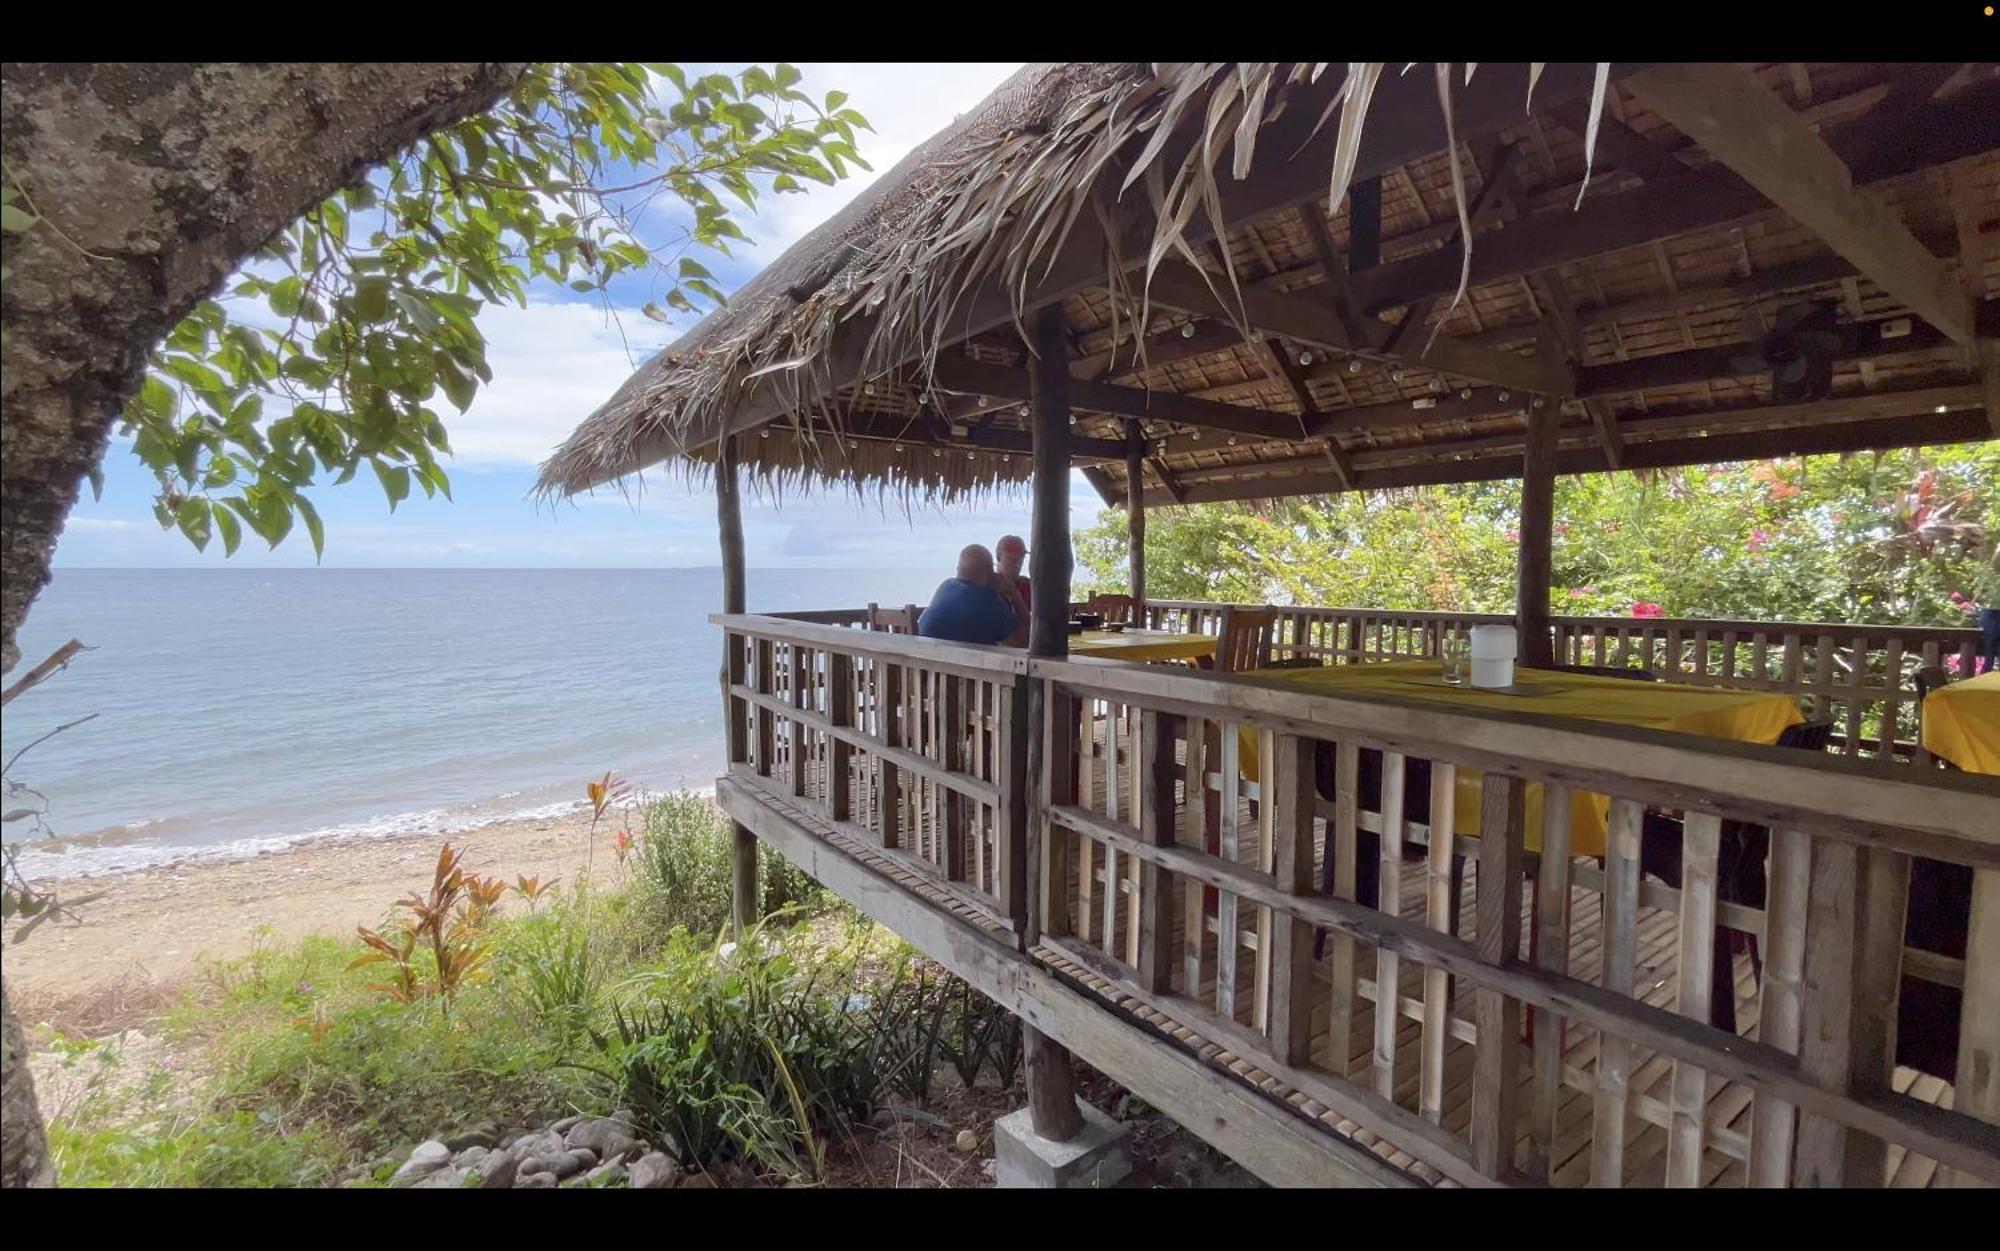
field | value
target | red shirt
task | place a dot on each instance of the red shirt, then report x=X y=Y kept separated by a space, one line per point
x=1027 y=590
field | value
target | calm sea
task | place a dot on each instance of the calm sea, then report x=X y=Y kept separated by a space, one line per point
x=243 y=710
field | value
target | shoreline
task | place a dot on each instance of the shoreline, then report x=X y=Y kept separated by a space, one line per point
x=153 y=928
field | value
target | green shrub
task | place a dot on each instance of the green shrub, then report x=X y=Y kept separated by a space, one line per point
x=751 y=1056
x=682 y=868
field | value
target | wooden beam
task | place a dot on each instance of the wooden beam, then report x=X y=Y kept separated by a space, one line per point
x=1294 y=378
x=1561 y=331
x=1745 y=126
x=1168 y=480
x=729 y=529
x=1869 y=340
x=1051 y=1094
x=1135 y=518
x=1537 y=538
x=1163 y=348
x=965 y=374
x=1364 y=223
x=925 y=432
x=1309 y=321
x=1922 y=430
x=1101 y=483
x=1395 y=414
x=1962 y=125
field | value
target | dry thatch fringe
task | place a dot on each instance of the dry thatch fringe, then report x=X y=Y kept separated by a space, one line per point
x=997 y=205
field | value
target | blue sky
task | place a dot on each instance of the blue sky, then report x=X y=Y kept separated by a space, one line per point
x=557 y=360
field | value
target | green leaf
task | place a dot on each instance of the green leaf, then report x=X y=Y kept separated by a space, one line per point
x=14 y=220
x=371 y=299
x=232 y=530
x=395 y=482
x=315 y=530
x=458 y=385
x=194 y=521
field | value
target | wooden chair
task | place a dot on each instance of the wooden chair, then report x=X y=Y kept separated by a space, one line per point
x=1244 y=641
x=1928 y=679
x=893 y=620
x=1119 y=608
x=1739 y=875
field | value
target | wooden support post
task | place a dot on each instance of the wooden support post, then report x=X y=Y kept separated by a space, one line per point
x=1135 y=515
x=1290 y=803
x=1364 y=249
x=729 y=530
x=1153 y=806
x=1496 y=1066
x=1853 y=969
x=1051 y=1093
x=1978 y=1091
x=1537 y=527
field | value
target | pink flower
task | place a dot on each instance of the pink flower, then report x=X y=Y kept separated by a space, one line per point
x=1758 y=539
x=1956 y=597
x=1967 y=607
x=1642 y=608
x=1513 y=536
x=1562 y=530
x=1951 y=662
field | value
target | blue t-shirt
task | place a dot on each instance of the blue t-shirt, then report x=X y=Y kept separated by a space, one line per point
x=966 y=612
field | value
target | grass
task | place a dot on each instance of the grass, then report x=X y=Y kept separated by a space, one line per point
x=617 y=995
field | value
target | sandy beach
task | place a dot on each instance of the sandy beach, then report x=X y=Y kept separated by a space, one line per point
x=152 y=928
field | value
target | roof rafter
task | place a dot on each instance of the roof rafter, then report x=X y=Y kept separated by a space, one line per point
x=1745 y=126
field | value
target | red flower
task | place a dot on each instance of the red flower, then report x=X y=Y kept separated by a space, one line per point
x=1642 y=608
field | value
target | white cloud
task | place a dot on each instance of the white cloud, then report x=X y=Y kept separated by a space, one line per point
x=553 y=363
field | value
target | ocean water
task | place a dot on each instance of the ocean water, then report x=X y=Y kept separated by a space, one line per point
x=245 y=710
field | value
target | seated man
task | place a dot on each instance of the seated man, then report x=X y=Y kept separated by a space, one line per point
x=977 y=606
x=1008 y=554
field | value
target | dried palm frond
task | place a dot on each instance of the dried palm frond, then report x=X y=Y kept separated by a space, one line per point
x=987 y=207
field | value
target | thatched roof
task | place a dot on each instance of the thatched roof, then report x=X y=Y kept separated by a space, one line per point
x=881 y=350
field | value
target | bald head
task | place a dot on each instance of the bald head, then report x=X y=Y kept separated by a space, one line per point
x=975 y=563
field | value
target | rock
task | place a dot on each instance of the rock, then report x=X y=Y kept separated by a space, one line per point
x=444 y=1179
x=545 y=1143
x=472 y=1138
x=499 y=1171
x=513 y=1138
x=605 y=1175
x=428 y=1158
x=968 y=1142
x=626 y=1116
x=564 y=1125
x=697 y=1181
x=535 y=1181
x=654 y=1172
x=568 y=1163
x=988 y=1167
x=471 y=1157
x=604 y=1135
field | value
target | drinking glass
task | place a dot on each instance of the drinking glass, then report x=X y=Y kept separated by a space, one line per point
x=1455 y=649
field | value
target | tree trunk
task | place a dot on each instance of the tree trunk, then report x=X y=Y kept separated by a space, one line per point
x=153 y=183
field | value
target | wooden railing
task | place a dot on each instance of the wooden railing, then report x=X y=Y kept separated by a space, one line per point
x=1125 y=869
x=904 y=743
x=1859 y=677
x=913 y=753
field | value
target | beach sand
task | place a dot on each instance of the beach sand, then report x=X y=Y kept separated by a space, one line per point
x=151 y=930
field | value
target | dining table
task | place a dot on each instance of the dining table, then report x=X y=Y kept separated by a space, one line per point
x=1142 y=646
x=1708 y=711
x=1962 y=723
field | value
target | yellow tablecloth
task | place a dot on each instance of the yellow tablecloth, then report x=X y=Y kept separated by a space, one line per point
x=1716 y=712
x=1962 y=723
x=1141 y=645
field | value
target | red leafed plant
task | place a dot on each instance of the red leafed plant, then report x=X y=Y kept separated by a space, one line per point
x=447 y=920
